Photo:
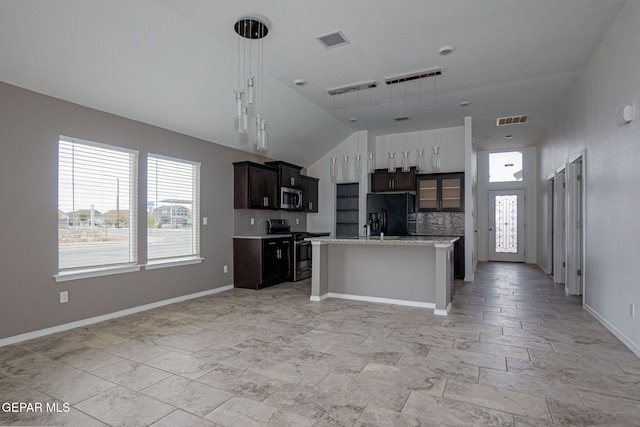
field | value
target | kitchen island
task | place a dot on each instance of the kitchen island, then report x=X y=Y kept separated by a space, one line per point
x=415 y=271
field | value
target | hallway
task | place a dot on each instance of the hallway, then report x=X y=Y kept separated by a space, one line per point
x=514 y=351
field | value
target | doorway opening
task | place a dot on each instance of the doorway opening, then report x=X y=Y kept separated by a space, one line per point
x=347 y=210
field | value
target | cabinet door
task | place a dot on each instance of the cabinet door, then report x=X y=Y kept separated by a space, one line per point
x=380 y=181
x=404 y=181
x=256 y=189
x=284 y=264
x=271 y=265
x=427 y=194
x=309 y=193
x=270 y=188
x=451 y=193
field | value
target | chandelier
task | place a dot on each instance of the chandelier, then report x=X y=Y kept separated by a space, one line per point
x=248 y=98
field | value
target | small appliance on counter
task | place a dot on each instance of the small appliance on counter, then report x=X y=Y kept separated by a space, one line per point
x=301 y=254
x=389 y=213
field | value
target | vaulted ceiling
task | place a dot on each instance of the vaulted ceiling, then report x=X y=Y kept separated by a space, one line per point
x=174 y=64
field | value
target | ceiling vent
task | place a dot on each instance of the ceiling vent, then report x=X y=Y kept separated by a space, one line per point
x=413 y=76
x=331 y=40
x=352 y=88
x=513 y=120
x=401 y=118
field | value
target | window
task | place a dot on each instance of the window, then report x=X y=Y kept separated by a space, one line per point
x=505 y=167
x=97 y=199
x=173 y=209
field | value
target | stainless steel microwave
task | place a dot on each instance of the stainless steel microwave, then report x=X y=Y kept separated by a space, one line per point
x=290 y=198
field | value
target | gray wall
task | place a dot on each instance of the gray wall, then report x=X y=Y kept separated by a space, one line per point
x=30 y=124
x=611 y=173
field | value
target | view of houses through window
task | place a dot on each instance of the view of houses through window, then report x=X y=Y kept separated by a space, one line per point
x=172 y=208
x=96 y=205
x=97 y=200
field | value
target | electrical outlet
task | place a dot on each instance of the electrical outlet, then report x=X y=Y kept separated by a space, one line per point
x=297 y=221
x=64 y=297
x=205 y=221
x=632 y=310
x=225 y=269
x=253 y=221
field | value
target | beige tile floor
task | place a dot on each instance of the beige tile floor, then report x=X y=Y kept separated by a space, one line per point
x=514 y=351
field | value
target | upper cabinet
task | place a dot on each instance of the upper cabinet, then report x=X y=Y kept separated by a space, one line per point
x=441 y=192
x=255 y=186
x=309 y=187
x=288 y=174
x=384 y=181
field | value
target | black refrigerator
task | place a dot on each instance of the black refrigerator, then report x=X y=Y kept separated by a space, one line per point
x=387 y=213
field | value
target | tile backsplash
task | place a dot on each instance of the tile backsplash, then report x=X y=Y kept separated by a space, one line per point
x=437 y=223
x=242 y=221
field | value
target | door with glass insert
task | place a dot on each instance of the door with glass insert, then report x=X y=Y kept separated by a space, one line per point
x=506 y=225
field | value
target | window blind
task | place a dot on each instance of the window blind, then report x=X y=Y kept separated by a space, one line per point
x=173 y=208
x=97 y=202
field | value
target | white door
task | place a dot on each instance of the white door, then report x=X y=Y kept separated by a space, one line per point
x=506 y=225
x=558 y=227
x=573 y=272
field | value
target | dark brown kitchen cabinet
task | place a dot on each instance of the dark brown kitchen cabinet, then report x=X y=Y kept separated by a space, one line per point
x=255 y=186
x=309 y=187
x=458 y=258
x=441 y=192
x=258 y=263
x=384 y=181
x=288 y=174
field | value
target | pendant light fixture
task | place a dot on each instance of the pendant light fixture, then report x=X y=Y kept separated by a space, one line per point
x=248 y=99
x=435 y=150
x=371 y=155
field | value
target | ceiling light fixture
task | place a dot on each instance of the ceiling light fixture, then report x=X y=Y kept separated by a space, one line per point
x=250 y=30
x=446 y=50
x=465 y=103
x=508 y=137
x=300 y=82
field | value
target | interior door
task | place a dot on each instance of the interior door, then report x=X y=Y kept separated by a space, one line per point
x=558 y=227
x=573 y=273
x=506 y=225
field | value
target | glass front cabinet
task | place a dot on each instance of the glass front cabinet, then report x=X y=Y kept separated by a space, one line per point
x=441 y=192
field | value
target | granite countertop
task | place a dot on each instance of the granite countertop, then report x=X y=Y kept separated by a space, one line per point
x=263 y=236
x=389 y=240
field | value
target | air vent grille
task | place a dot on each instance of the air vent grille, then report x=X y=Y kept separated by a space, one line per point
x=413 y=76
x=513 y=120
x=332 y=40
x=352 y=88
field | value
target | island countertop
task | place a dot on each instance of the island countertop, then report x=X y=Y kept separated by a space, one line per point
x=388 y=240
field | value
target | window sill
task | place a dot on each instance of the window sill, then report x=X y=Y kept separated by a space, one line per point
x=172 y=263
x=95 y=272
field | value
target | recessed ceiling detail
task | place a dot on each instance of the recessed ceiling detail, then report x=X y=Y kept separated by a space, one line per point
x=512 y=120
x=333 y=40
x=413 y=76
x=352 y=88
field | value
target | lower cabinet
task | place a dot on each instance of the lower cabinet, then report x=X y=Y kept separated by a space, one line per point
x=258 y=263
x=458 y=259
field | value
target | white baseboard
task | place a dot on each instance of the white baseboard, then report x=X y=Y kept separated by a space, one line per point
x=380 y=300
x=615 y=331
x=318 y=299
x=442 y=312
x=109 y=316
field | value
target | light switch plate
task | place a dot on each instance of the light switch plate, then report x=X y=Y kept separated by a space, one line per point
x=64 y=297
